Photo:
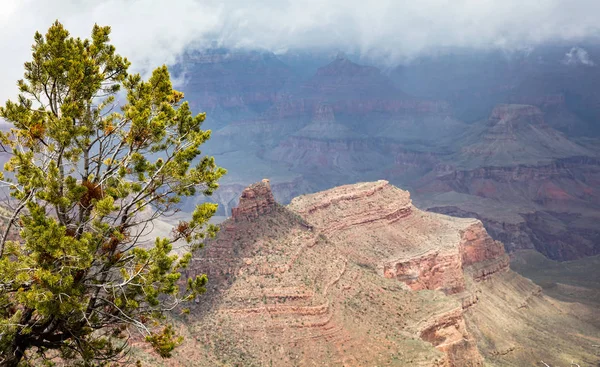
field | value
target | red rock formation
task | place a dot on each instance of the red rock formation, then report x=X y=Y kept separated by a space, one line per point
x=408 y=245
x=477 y=246
x=255 y=200
x=449 y=334
x=355 y=214
x=428 y=266
x=477 y=252
x=431 y=271
x=284 y=190
x=514 y=235
x=332 y=276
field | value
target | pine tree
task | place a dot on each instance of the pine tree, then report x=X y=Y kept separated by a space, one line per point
x=96 y=155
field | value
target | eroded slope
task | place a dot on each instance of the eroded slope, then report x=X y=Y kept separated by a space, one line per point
x=358 y=276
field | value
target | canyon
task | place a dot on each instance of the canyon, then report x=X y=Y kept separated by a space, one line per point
x=522 y=166
x=313 y=268
x=357 y=275
x=532 y=186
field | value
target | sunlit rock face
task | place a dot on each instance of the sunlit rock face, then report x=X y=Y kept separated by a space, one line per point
x=256 y=200
x=357 y=275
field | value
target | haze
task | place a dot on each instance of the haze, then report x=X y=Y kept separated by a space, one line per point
x=152 y=33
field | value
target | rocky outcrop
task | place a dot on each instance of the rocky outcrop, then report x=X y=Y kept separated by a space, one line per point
x=438 y=265
x=256 y=200
x=410 y=246
x=513 y=235
x=317 y=208
x=431 y=271
x=284 y=190
x=476 y=246
x=448 y=332
x=482 y=256
x=477 y=252
x=356 y=275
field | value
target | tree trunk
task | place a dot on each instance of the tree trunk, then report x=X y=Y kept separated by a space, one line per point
x=17 y=349
x=15 y=354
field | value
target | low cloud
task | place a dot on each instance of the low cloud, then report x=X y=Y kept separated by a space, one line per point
x=151 y=33
x=578 y=56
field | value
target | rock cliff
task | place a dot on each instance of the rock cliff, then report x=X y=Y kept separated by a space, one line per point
x=256 y=200
x=424 y=250
x=233 y=84
x=357 y=275
x=537 y=179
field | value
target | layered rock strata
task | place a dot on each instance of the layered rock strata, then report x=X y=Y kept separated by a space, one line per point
x=424 y=250
x=256 y=200
x=539 y=188
x=357 y=276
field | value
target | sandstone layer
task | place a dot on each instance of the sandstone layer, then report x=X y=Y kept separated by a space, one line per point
x=357 y=275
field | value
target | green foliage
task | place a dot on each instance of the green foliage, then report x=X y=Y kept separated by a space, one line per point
x=165 y=341
x=87 y=177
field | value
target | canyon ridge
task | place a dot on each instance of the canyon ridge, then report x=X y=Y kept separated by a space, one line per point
x=357 y=275
x=517 y=150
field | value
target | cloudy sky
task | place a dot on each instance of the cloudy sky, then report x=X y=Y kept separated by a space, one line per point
x=152 y=32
